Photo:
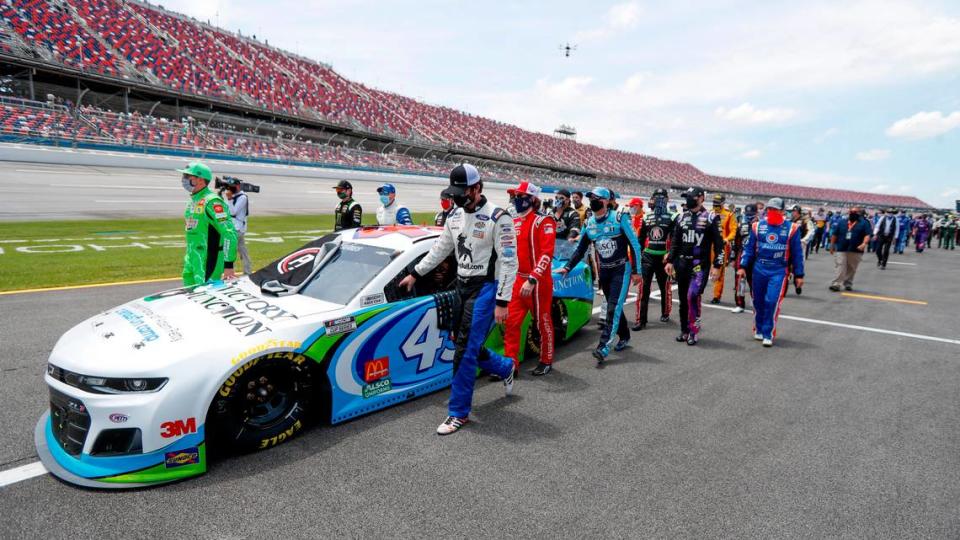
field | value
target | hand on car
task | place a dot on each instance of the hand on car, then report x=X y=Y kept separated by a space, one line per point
x=562 y=271
x=407 y=282
x=229 y=274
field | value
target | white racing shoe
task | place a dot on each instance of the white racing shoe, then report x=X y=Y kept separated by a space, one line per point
x=737 y=309
x=758 y=337
x=508 y=384
x=451 y=425
x=767 y=342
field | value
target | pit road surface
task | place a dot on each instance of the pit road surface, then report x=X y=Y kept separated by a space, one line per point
x=833 y=432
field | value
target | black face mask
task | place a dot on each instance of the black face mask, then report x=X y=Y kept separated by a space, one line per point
x=854 y=216
x=691 y=202
x=596 y=204
x=462 y=200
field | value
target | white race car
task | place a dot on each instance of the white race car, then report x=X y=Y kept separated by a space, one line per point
x=139 y=393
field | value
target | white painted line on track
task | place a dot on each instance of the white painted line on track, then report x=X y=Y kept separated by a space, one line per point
x=138 y=201
x=844 y=325
x=108 y=186
x=901 y=263
x=21 y=473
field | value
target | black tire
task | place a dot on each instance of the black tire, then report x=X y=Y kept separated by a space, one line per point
x=560 y=321
x=265 y=402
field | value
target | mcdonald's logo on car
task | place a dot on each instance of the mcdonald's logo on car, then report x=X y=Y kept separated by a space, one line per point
x=376 y=369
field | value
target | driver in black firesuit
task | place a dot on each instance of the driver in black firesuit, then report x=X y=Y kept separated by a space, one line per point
x=654 y=235
x=694 y=236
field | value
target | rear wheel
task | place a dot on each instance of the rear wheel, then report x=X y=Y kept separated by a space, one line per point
x=265 y=402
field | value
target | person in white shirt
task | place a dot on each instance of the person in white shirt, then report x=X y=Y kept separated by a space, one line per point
x=391 y=212
x=239 y=210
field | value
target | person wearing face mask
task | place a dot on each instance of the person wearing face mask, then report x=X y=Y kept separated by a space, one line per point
x=533 y=288
x=391 y=212
x=576 y=200
x=886 y=231
x=921 y=232
x=728 y=230
x=210 y=237
x=566 y=218
x=656 y=227
x=741 y=284
x=849 y=242
x=482 y=239
x=348 y=213
x=446 y=208
x=612 y=240
x=774 y=251
x=903 y=224
x=695 y=236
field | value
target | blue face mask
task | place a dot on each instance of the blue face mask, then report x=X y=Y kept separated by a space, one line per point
x=385 y=199
x=522 y=204
x=187 y=184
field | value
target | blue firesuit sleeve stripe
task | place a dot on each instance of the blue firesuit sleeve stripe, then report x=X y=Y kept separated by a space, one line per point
x=627 y=228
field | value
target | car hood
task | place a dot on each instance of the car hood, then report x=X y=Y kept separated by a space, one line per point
x=218 y=320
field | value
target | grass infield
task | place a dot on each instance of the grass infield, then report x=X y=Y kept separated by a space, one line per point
x=45 y=254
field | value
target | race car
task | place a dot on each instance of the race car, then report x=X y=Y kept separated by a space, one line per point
x=140 y=394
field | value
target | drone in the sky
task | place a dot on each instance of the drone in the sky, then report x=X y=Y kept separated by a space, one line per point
x=567 y=49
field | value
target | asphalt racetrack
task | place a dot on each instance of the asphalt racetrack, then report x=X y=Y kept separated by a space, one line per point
x=848 y=427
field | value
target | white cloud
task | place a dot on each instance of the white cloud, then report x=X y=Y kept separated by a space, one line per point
x=876 y=154
x=830 y=132
x=748 y=114
x=568 y=88
x=619 y=18
x=751 y=154
x=924 y=125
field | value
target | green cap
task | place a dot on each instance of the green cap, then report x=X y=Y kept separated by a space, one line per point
x=195 y=168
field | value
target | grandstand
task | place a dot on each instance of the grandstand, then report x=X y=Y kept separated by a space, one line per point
x=129 y=74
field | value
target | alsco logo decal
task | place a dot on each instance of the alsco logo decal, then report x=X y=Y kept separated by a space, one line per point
x=376 y=369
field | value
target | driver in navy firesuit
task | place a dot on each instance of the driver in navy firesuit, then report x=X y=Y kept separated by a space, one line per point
x=774 y=251
x=482 y=237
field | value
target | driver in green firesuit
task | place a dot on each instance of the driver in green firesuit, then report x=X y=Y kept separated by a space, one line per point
x=211 y=238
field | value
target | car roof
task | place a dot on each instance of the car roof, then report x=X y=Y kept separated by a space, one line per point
x=391 y=236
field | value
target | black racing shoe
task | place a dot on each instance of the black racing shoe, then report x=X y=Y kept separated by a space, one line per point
x=715 y=301
x=848 y=288
x=541 y=369
x=682 y=337
x=598 y=353
x=799 y=291
x=638 y=327
x=622 y=344
x=834 y=288
x=692 y=340
x=664 y=318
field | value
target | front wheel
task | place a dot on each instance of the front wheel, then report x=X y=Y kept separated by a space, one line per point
x=265 y=402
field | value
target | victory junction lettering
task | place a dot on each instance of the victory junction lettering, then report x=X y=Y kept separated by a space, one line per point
x=246 y=312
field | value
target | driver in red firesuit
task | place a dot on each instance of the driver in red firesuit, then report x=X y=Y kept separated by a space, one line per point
x=533 y=287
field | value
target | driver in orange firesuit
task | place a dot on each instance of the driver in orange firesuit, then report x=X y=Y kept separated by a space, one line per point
x=533 y=287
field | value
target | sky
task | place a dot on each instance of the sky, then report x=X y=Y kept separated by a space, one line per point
x=854 y=95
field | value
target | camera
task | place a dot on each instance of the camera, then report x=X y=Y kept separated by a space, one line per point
x=230 y=181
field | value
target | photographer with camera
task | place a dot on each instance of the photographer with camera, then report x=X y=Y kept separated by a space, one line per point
x=233 y=191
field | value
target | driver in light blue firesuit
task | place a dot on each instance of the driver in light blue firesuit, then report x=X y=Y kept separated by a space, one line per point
x=774 y=251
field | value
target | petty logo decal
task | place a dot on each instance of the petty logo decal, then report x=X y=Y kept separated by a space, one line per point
x=297 y=259
x=187 y=456
x=118 y=418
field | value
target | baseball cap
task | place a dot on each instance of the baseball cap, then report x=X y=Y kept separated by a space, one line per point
x=195 y=168
x=659 y=192
x=526 y=188
x=750 y=209
x=718 y=199
x=343 y=184
x=564 y=192
x=776 y=203
x=614 y=195
x=797 y=208
x=694 y=191
x=600 y=192
x=636 y=201
x=386 y=188
x=461 y=177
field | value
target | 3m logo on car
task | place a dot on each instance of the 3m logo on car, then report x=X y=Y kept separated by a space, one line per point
x=376 y=369
x=177 y=428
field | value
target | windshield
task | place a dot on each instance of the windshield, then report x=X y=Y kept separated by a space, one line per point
x=563 y=249
x=349 y=271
